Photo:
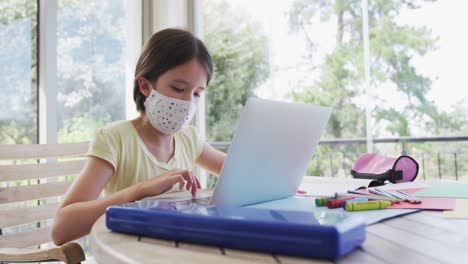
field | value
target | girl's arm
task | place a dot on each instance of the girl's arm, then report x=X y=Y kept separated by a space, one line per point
x=211 y=159
x=81 y=206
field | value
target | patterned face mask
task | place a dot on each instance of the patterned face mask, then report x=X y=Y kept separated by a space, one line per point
x=167 y=114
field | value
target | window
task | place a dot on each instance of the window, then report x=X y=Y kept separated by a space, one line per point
x=18 y=72
x=91 y=61
x=313 y=52
x=418 y=73
x=283 y=52
x=94 y=46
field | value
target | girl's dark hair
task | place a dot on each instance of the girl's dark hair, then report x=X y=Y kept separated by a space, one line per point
x=165 y=50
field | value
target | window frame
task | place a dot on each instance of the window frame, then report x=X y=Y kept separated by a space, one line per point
x=47 y=65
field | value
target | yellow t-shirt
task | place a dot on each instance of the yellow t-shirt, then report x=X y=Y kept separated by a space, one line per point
x=120 y=144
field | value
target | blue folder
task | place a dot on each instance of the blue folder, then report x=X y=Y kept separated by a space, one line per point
x=329 y=235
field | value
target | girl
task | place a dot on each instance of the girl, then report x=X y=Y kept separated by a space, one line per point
x=146 y=156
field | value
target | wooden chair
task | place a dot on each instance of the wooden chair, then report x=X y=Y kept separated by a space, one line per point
x=29 y=198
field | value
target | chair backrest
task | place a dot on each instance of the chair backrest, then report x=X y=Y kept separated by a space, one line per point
x=32 y=179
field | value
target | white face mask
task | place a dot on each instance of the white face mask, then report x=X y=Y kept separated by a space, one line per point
x=167 y=114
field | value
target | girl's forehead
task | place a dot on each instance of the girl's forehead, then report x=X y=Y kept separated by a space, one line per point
x=192 y=73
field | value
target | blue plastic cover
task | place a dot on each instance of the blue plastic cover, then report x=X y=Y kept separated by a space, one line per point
x=328 y=235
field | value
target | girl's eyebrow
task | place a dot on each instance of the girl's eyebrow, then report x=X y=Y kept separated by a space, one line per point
x=186 y=83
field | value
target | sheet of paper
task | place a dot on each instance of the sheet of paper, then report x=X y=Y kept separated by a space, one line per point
x=404 y=185
x=446 y=189
x=307 y=204
x=428 y=203
x=460 y=211
x=326 y=186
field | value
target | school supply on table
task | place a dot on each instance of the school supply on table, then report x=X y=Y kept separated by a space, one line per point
x=400 y=199
x=447 y=189
x=317 y=186
x=298 y=233
x=369 y=196
x=381 y=168
x=322 y=201
x=369 y=205
x=460 y=211
x=400 y=195
x=405 y=199
x=408 y=197
x=427 y=203
x=307 y=204
x=301 y=192
x=358 y=201
x=354 y=200
x=337 y=203
x=339 y=199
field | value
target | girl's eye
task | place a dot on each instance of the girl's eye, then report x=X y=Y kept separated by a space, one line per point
x=178 y=90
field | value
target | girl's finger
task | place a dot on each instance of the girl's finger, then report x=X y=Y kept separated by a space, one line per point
x=198 y=183
x=181 y=181
x=194 y=185
x=188 y=178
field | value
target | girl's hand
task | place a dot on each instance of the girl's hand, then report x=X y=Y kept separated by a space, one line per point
x=164 y=183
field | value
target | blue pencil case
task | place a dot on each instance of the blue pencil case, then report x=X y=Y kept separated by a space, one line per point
x=330 y=235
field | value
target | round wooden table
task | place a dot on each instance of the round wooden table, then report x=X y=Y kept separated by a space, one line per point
x=422 y=237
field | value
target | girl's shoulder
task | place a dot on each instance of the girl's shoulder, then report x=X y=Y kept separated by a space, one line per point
x=189 y=133
x=117 y=127
x=118 y=130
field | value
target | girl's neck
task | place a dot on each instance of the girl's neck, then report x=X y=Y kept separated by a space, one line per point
x=150 y=135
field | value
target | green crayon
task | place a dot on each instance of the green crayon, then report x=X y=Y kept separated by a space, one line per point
x=323 y=201
x=370 y=205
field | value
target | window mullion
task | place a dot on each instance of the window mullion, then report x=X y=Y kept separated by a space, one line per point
x=367 y=95
x=135 y=31
x=47 y=71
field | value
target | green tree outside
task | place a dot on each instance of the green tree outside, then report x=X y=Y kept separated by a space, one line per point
x=392 y=47
x=240 y=53
x=18 y=117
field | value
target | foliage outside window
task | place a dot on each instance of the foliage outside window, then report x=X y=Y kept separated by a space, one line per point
x=241 y=64
x=18 y=72
x=400 y=94
x=90 y=66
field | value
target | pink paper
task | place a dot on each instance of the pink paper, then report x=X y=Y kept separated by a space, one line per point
x=428 y=203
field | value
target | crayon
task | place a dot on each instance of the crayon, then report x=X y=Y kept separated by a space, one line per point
x=370 y=205
x=301 y=192
x=336 y=203
x=360 y=199
x=409 y=198
x=369 y=196
x=322 y=201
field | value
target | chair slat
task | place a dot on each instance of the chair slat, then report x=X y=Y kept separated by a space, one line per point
x=68 y=253
x=19 y=216
x=35 y=151
x=26 y=239
x=12 y=245
x=38 y=171
x=33 y=192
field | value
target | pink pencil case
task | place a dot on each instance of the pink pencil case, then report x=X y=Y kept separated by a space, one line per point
x=382 y=168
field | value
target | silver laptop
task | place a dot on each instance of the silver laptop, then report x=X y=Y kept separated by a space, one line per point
x=270 y=152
